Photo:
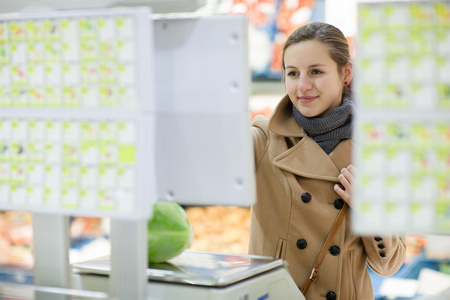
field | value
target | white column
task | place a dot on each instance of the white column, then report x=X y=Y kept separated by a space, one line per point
x=51 y=253
x=129 y=260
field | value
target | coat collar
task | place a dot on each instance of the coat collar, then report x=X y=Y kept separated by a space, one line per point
x=282 y=121
x=306 y=158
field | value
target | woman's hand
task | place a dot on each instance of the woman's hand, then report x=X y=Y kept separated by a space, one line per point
x=346 y=178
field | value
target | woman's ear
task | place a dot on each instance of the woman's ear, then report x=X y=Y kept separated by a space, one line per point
x=348 y=72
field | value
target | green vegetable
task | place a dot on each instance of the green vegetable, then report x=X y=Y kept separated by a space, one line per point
x=169 y=232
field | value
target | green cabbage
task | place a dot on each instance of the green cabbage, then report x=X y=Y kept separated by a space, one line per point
x=169 y=232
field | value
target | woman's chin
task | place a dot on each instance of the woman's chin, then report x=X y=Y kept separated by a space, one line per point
x=309 y=113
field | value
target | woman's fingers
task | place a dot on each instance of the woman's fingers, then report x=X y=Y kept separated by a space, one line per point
x=346 y=181
x=349 y=173
x=346 y=178
x=352 y=170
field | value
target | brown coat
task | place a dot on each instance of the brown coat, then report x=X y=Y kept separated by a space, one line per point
x=289 y=164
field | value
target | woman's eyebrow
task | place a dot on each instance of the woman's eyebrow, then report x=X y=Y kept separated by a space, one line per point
x=317 y=65
x=310 y=66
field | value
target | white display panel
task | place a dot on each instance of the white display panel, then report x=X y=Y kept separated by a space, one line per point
x=77 y=117
x=403 y=121
x=204 y=154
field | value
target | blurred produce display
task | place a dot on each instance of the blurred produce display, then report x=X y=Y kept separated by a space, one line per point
x=86 y=228
x=220 y=229
x=16 y=238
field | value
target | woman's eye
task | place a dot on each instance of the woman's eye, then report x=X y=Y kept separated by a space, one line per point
x=291 y=74
x=315 y=72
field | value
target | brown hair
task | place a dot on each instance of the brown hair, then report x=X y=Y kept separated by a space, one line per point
x=329 y=35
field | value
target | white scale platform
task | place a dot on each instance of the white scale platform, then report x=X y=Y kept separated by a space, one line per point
x=201 y=275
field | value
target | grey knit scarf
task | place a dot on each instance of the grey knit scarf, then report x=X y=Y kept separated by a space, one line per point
x=328 y=131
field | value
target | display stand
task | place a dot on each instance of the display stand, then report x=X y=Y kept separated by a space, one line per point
x=80 y=134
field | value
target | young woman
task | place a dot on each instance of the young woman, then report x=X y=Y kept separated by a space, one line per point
x=304 y=174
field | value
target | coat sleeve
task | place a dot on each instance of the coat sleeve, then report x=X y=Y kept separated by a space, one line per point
x=386 y=254
x=260 y=136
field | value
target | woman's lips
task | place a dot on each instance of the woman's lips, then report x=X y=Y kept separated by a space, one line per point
x=307 y=99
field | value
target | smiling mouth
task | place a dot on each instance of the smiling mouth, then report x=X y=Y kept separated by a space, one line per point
x=307 y=99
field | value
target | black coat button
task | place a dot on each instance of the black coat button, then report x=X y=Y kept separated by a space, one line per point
x=381 y=246
x=378 y=238
x=331 y=296
x=301 y=244
x=335 y=250
x=382 y=254
x=306 y=197
x=338 y=203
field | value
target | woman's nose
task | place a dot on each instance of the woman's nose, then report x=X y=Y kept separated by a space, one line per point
x=304 y=83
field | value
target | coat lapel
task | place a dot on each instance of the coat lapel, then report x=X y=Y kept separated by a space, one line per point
x=342 y=155
x=306 y=158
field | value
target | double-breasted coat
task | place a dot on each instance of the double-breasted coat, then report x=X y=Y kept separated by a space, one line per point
x=297 y=206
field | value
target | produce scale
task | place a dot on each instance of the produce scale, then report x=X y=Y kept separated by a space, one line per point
x=201 y=276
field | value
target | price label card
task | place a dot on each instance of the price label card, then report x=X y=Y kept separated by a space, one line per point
x=76 y=125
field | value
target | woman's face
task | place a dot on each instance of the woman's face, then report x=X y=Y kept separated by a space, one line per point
x=312 y=80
